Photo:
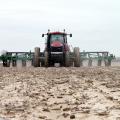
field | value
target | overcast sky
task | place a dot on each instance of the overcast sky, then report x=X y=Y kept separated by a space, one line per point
x=95 y=24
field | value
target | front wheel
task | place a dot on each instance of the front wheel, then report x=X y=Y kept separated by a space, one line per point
x=77 y=57
x=67 y=59
x=37 y=57
x=46 y=59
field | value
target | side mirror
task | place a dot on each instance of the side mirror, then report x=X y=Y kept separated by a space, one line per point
x=42 y=35
x=70 y=35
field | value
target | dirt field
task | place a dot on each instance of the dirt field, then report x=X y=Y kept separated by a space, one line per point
x=60 y=93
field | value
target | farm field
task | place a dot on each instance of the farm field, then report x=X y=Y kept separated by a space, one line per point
x=85 y=93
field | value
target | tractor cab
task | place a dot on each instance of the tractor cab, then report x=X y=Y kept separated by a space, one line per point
x=56 y=41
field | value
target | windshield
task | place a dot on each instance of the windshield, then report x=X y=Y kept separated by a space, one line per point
x=59 y=38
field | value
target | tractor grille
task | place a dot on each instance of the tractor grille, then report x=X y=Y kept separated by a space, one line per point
x=56 y=49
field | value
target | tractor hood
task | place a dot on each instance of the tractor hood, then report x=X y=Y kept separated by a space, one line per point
x=56 y=44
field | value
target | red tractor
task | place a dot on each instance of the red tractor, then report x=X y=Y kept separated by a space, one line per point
x=57 y=51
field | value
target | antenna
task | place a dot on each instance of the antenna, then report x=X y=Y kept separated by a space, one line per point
x=48 y=30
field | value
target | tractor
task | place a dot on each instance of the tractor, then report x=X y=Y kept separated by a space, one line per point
x=56 y=50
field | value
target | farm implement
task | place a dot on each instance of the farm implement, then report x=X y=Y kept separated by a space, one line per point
x=56 y=50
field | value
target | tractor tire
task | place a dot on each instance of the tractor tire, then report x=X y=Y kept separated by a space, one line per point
x=77 y=57
x=67 y=59
x=46 y=59
x=37 y=57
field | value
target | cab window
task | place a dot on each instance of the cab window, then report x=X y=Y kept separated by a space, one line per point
x=56 y=37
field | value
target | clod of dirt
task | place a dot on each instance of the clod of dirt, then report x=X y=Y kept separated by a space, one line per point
x=65 y=115
x=42 y=117
x=59 y=97
x=72 y=116
x=46 y=110
x=86 y=111
x=66 y=109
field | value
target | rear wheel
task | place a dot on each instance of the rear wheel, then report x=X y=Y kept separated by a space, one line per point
x=77 y=57
x=46 y=59
x=37 y=57
x=67 y=59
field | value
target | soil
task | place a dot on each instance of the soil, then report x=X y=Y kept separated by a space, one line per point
x=86 y=93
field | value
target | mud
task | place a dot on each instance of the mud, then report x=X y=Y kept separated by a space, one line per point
x=60 y=93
